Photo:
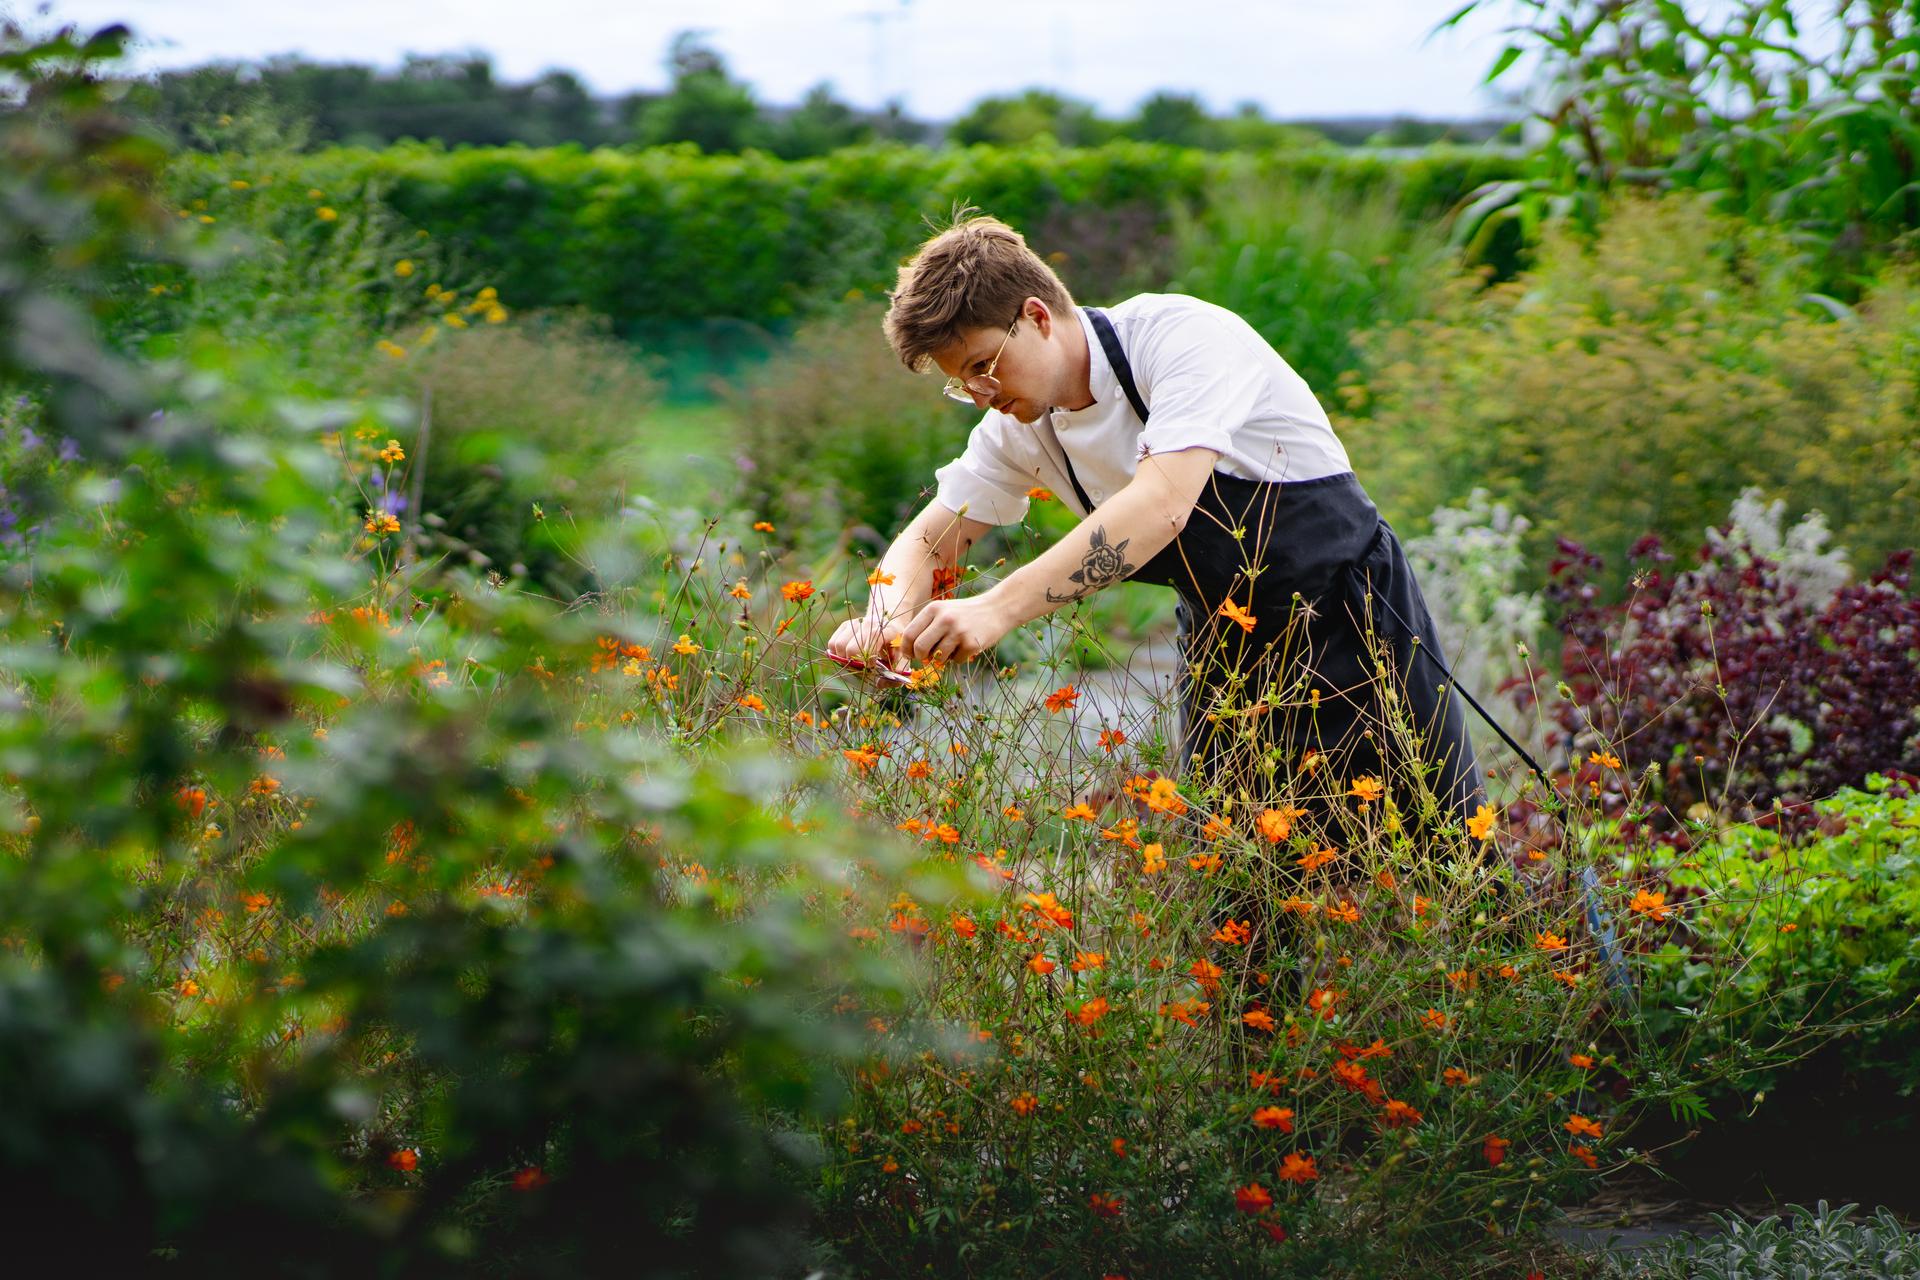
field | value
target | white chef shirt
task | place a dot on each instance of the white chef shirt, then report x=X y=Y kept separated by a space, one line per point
x=1207 y=378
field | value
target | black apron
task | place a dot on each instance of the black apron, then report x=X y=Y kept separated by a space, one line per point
x=1322 y=551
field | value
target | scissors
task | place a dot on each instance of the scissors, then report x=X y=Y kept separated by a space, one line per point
x=886 y=673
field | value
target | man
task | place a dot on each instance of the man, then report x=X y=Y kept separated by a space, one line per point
x=1199 y=460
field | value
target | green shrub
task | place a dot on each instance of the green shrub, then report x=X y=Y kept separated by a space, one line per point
x=1640 y=382
x=1768 y=936
x=1820 y=1241
x=666 y=242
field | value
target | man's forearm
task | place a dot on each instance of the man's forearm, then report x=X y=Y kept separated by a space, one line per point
x=1123 y=533
x=933 y=541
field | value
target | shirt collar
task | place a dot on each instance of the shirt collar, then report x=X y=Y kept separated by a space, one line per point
x=1101 y=379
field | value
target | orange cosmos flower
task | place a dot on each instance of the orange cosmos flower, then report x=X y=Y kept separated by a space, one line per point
x=1454 y=1077
x=1039 y=494
x=685 y=645
x=740 y=591
x=762 y=526
x=1215 y=828
x=406 y=1159
x=1207 y=863
x=879 y=578
x=1581 y=1127
x=1480 y=825
x=1434 y=1020
x=1252 y=1198
x=1649 y=904
x=1164 y=797
x=1041 y=965
x=1120 y=1148
x=1276 y=825
x=1399 y=1115
x=1549 y=942
x=529 y=1178
x=1581 y=1061
x=1322 y=1001
x=1234 y=933
x=1298 y=1169
x=1206 y=973
x=1024 y=1104
x=1086 y=960
x=861 y=758
x=1495 y=1149
x=1297 y=905
x=752 y=702
x=1605 y=759
x=1566 y=977
x=1092 y=1011
x=1343 y=912
x=1234 y=613
x=1280 y=1118
x=1258 y=1019
x=1184 y=1011
x=1080 y=811
x=797 y=590
x=1585 y=1156
x=1104 y=1206
x=1111 y=738
x=1062 y=698
x=963 y=926
x=1317 y=858
x=1367 y=789
x=1013 y=813
x=1153 y=859
x=1048 y=907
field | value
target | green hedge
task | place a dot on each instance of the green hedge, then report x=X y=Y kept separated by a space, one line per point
x=668 y=237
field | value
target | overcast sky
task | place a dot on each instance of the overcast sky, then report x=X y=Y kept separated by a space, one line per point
x=1296 y=58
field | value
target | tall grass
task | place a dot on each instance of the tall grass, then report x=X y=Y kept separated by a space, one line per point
x=1307 y=264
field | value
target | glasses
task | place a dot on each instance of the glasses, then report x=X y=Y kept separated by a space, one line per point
x=980 y=384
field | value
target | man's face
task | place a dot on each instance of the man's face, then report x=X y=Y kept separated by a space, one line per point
x=1020 y=367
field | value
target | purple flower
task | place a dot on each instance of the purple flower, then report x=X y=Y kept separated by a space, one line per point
x=69 y=449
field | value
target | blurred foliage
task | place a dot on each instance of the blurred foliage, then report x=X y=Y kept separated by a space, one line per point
x=495 y=460
x=1784 y=119
x=1307 y=263
x=1639 y=382
x=672 y=245
x=833 y=431
x=330 y=942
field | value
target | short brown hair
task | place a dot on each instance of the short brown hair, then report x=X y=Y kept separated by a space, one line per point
x=973 y=275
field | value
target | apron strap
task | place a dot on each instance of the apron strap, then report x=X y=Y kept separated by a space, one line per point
x=1117 y=357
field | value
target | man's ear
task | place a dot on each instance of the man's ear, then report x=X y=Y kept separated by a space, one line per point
x=1041 y=314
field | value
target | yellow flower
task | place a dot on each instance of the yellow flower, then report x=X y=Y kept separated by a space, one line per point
x=240 y=184
x=208 y=219
x=488 y=294
x=496 y=315
x=393 y=349
x=403 y=268
x=1480 y=825
x=393 y=452
x=314 y=193
x=454 y=320
x=685 y=645
x=381 y=523
x=326 y=213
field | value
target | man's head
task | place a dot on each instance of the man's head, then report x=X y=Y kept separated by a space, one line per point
x=975 y=297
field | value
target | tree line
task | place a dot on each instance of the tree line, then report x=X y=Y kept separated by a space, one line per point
x=459 y=100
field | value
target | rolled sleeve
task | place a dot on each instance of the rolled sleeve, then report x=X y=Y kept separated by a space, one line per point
x=988 y=481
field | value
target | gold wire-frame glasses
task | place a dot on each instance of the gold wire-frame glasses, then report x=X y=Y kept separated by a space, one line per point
x=980 y=384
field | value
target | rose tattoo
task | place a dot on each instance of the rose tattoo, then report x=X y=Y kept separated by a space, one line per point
x=1105 y=564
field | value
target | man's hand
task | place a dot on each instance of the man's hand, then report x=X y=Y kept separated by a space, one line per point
x=870 y=641
x=955 y=630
